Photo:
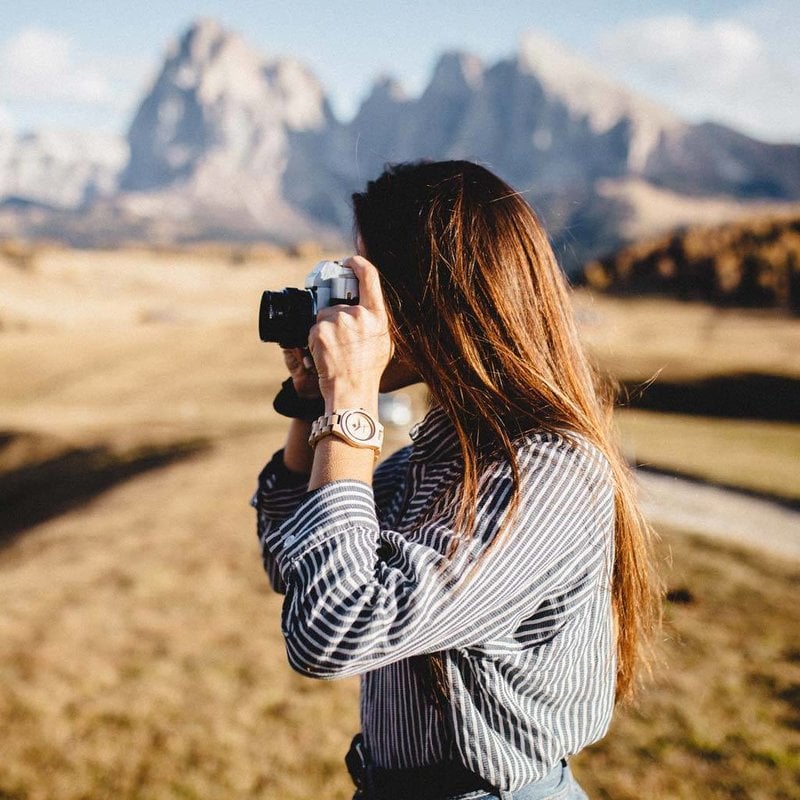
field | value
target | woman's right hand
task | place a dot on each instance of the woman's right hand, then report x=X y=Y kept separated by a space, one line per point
x=306 y=381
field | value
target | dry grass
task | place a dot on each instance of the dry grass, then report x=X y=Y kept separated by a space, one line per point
x=757 y=456
x=722 y=719
x=646 y=339
x=142 y=655
x=638 y=339
x=141 y=652
x=142 y=658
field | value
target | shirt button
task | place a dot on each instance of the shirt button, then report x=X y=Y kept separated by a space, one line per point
x=289 y=539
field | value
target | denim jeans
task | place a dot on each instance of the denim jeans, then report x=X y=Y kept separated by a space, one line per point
x=558 y=784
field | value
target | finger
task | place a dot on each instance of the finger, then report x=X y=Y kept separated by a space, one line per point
x=347 y=318
x=293 y=358
x=330 y=313
x=369 y=283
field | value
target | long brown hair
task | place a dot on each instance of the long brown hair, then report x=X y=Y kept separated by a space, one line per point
x=481 y=309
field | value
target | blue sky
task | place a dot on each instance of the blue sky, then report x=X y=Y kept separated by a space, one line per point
x=85 y=65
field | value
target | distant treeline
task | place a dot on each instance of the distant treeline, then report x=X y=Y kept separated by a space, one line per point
x=753 y=263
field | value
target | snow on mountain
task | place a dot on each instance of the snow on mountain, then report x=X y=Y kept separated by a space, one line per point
x=61 y=169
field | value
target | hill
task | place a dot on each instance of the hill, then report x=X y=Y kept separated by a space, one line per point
x=753 y=263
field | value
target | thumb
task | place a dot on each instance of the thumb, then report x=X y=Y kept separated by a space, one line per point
x=369 y=283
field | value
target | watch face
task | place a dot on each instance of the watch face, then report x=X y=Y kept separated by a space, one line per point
x=359 y=425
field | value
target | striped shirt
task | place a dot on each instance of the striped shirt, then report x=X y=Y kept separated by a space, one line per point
x=527 y=637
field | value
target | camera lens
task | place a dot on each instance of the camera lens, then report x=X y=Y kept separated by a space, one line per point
x=286 y=317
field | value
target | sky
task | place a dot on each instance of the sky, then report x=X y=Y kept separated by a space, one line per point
x=85 y=65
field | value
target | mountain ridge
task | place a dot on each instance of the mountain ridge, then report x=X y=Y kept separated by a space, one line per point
x=231 y=143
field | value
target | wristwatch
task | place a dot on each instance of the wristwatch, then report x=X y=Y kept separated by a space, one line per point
x=354 y=425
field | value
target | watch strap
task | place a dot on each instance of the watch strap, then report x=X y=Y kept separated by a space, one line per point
x=340 y=423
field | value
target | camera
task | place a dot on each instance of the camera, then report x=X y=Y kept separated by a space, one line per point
x=286 y=316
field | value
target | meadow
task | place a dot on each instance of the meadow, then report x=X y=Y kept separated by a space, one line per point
x=141 y=652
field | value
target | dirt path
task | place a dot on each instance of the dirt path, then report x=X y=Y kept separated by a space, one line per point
x=721 y=513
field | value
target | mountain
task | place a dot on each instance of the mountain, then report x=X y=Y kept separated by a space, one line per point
x=59 y=169
x=578 y=145
x=219 y=107
x=542 y=118
x=214 y=129
x=229 y=143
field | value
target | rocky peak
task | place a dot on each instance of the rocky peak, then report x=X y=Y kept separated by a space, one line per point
x=301 y=94
x=200 y=40
x=230 y=141
x=382 y=111
x=218 y=101
x=591 y=96
x=456 y=72
x=385 y=91
x=213 y=62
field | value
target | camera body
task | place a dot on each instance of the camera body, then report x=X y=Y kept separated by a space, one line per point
x=286 y=316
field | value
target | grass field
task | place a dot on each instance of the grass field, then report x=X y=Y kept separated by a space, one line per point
x=141 y=653
x=758 y=456
x=639 y=341
x=722 y=718
x=142 y=659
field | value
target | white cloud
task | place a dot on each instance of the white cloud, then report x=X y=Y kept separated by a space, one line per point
x=723 y=70
x=44 y=65
x=6 y=120
x=49 y=80
x=776 y=22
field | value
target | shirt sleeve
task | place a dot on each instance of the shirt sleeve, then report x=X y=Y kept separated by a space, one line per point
x=278 y=493
x=359 y=596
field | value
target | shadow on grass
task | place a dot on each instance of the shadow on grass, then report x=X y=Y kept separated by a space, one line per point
x=36 y=492
x=790 y=503
x=743 y=396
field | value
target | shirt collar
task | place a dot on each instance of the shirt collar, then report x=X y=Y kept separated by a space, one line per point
x=434 y=438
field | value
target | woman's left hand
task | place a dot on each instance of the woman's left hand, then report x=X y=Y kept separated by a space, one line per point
x=351 y=345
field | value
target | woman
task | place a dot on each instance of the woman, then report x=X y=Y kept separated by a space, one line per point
x=490 y=583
